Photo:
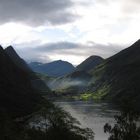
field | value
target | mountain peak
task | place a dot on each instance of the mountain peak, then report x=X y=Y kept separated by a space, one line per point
x=94 y=56
x=10 y=51
x=10 y=47
x=90 y=63
x=16 y=93
x=56 y=68
x=136 y=43
x=60 y=61
x=1 y=49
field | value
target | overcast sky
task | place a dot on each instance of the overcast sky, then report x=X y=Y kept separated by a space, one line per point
x=71 y=30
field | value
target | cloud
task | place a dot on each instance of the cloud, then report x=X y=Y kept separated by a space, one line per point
x=68 y=51
x=57 y=46
x=70 y=48
x=105 y=22
x=31 y=55
x=36 y=12
x=101 y=21
x=130 y=6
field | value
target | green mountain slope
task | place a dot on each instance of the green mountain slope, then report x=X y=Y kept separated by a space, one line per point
x=119 y=76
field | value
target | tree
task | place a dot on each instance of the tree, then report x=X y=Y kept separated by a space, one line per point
x=55 y=123
x=126 y=126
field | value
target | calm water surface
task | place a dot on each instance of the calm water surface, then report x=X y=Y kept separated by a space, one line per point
x=91 y=115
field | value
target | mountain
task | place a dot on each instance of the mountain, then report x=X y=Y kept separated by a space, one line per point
x=115 y=79
x=36 y=82
x=22 y=109
x=90 y=63
x=118 y=77
x=54 y=69
x=17 y=97
x=16 y=59
x=77 y=81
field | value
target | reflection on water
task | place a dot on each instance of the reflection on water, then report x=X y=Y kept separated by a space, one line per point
x=91 y=115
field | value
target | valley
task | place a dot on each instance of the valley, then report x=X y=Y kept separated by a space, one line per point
x=91 y=93
x=102 y=79
x=69 y=70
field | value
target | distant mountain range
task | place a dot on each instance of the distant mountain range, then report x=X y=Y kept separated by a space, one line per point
x=115 y=79
x=55 y=69
x=77 y=81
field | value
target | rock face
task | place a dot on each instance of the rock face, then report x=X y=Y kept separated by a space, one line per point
x=54 y=69
x=90 y=63
x=17 y=97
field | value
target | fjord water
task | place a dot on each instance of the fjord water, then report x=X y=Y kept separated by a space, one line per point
x=91 y=115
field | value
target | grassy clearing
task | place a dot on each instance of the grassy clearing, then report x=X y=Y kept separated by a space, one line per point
x=98 y=95
x=86 y=96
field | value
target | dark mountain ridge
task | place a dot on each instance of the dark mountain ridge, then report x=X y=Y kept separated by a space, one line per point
x=16 y=59
x=17 y=97
x=36 y=82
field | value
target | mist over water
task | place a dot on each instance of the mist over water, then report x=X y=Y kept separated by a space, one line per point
x=91 y=115
x=66 y=83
